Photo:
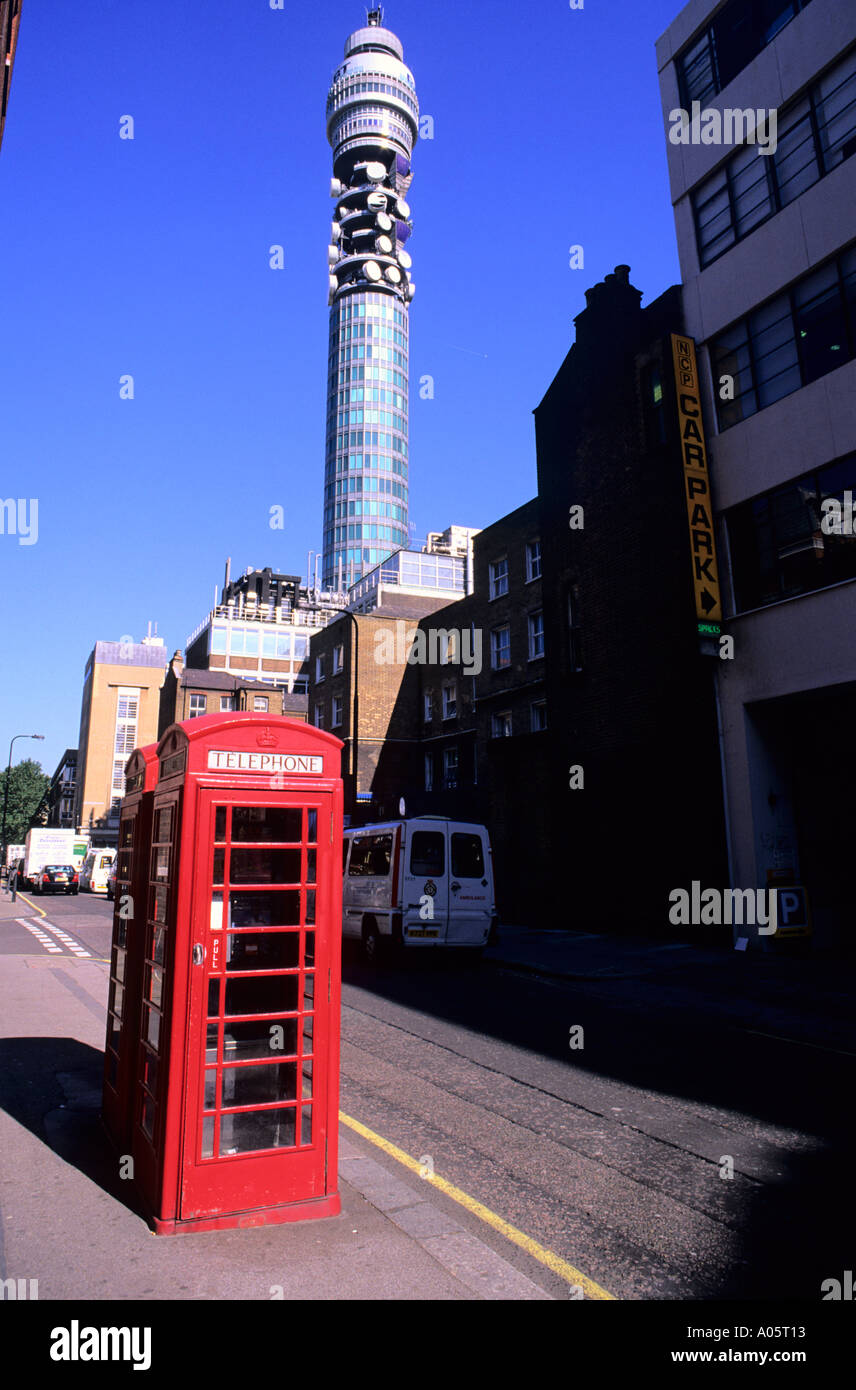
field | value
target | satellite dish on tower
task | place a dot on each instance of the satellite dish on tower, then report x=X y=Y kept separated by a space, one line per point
x=372 y=270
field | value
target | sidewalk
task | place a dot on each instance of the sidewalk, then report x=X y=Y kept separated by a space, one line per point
x=69 y=1221
x=808 y=999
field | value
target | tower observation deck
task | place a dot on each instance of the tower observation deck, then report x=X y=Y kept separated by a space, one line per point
x=372 y=126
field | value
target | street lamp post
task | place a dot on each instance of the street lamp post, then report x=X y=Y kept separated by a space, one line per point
x=8 y=779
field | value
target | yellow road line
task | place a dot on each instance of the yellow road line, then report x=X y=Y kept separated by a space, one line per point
x=538 y=1252
x=33 y=906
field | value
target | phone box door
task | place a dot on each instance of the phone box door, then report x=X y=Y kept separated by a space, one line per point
x=262 y=1028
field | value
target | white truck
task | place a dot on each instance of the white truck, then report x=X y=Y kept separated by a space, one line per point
x=13 y=854
x=49 y=846
x=422 y=882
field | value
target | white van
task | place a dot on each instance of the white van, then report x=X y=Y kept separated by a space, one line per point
x=424 y=881
x=96 y=867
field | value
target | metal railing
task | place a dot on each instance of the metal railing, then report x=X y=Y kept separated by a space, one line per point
x=280 y=616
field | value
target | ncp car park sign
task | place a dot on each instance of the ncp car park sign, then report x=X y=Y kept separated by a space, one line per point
x=696 y=482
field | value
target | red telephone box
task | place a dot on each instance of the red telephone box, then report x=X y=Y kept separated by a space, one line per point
x=235 y=1091
x=126 y=955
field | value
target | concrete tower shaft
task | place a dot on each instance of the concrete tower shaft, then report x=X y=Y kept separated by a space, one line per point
x=372 y=126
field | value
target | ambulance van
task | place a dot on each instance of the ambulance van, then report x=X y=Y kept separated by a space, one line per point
x=420 y=882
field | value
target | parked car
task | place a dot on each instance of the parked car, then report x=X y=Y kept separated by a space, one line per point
x=56 y=878
x=111 y=880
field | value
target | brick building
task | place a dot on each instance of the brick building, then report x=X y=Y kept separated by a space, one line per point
x=482 y=717
x=187 y=693
x=459 y=731
x=363 y=690
x=577 y=646
x=629 y=681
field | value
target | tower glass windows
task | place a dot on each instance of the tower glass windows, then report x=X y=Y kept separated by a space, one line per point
x=372 y=121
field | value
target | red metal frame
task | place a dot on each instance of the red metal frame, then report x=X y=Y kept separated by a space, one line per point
x=287 y=765
x=126 y=954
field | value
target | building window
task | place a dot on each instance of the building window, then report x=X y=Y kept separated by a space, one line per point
x=536 y=635
x=448 y=647
x=198 y=705
x=787 y=342
x=227 y=703
x=533 y=561
x=300 y=686
x=429 y=772
x=500 y=724
x=261 y=704
x=574 y=643
x=651 y=383
x=499 y=578
x=276 y=645
x=428 y=707
x=338 y=710
x=538 y=716
x=450 y=701
x=786 y=542
x=500 y=647
x=124 y=738
x=318 y=716
x=739 y=31
x=244 y=641
x=319 y=669
x=814 y=135
x=338 y=659
x=450 y=769
x=218 y=641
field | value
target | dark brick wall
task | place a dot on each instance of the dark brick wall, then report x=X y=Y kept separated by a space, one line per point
x=639 y=715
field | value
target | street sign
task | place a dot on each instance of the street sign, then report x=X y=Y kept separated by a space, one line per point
x=696 y=481
x=793 y=914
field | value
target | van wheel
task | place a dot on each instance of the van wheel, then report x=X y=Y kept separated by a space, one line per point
x=371 y=943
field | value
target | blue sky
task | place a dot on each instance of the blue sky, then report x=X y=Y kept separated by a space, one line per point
x=150 y=257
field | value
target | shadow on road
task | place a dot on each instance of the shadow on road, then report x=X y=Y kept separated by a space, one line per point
x=797 y=1226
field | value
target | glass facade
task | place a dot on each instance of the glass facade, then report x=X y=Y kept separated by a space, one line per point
x=366 y=471
x=372 y=124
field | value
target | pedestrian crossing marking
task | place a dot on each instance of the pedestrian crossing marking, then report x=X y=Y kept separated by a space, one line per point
x=49 y=944
x=68 y=941
x=43 y=940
